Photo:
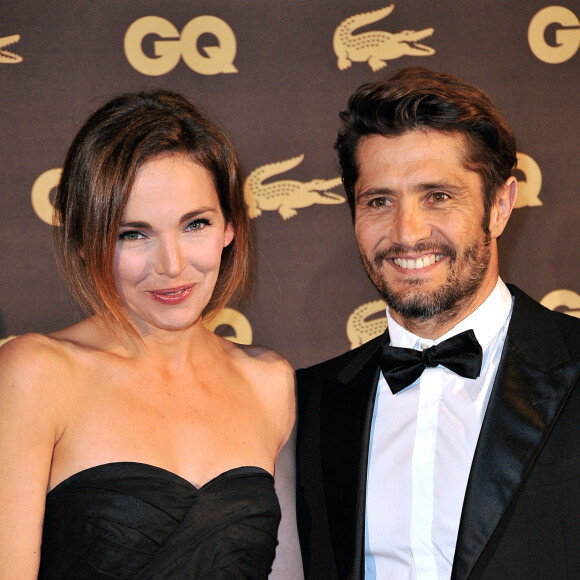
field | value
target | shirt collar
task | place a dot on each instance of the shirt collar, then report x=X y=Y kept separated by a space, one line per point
x=486 y=321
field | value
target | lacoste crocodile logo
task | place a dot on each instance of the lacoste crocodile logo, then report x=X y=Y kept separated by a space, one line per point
x=366 y=322
x=7 y=57
x=377 y=46
x=288 y=195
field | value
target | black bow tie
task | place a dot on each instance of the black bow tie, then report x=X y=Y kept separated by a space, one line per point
x=461 y=354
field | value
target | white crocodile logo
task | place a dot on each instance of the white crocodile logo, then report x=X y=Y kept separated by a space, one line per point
x=366 y=322
x=288 y=195
x=7 y=57
x=377 y=46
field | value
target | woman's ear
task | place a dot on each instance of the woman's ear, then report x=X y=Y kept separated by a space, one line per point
x=228 y=234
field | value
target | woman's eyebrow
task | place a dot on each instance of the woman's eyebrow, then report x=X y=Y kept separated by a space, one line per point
x=195 y=213
x=188 y=216
x=139 y=225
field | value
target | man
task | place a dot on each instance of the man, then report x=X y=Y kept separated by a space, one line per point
x=407 y=468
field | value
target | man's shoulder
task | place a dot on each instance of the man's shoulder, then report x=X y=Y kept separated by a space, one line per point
x=570 y=330
x=350 y=360
x=533 y=321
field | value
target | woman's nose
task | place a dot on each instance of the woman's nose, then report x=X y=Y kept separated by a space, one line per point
x=171 y=258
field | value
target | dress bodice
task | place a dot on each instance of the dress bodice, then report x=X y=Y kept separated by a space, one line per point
x=133 y=520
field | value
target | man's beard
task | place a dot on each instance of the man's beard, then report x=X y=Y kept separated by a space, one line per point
x=465 y=276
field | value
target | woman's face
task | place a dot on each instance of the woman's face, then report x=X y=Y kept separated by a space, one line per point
x=170 y=243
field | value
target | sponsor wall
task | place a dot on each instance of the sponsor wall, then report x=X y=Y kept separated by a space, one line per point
x=276 y=74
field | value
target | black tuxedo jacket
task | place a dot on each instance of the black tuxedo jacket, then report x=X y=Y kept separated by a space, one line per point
x=521 y=511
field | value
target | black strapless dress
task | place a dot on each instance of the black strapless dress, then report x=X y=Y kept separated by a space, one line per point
x=133 y=520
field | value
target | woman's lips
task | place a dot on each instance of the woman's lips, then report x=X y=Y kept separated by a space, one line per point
x=172 y=296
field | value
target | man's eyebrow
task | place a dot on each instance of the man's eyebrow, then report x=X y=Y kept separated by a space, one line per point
x=438 y=184
x=418 y=187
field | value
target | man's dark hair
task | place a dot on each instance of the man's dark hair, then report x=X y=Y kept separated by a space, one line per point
x=416 y=98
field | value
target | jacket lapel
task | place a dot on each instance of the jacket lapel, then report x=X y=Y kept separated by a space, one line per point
x=346 y=413
x=527 y=396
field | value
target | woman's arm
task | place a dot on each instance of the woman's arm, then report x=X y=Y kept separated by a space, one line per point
x=288 y=561
x=276 y=376
x=27 y=438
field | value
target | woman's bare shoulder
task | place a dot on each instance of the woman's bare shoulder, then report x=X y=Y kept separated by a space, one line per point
x=29 y=350
x=34 y=361
x=35 y=396
x=263 y=358
x=274 y=376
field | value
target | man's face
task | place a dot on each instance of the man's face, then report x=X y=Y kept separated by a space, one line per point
x=418 y=223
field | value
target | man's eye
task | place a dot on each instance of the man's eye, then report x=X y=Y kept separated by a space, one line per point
x=378 y=202
x=439 y=196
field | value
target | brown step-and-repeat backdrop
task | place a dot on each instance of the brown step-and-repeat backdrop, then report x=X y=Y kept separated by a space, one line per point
x=276 y=73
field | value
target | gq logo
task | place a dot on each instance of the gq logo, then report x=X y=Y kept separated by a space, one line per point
x=231 y=324
x=40 y=194
x=566 y=301
x=529 y=178
x=169 y=46
x=567 y=34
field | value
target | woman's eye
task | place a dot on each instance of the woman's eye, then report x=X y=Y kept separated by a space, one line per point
x=131 y=235
x=196 y=225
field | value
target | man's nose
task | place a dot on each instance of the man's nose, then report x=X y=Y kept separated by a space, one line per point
x=171 y=259
x=411 y=224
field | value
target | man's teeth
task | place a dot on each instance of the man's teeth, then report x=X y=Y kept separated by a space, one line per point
x=419 y=263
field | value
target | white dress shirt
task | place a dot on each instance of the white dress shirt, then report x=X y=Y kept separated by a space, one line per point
x=421 y=448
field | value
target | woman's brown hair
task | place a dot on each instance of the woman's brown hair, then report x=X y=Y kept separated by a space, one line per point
x=97 y=178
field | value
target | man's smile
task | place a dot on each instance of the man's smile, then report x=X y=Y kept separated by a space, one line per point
x=417 y=263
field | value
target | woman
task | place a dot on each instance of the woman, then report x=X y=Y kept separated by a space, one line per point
x=155 y=438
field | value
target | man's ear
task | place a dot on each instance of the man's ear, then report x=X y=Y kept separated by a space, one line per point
x=228 y=234
x=502 y=207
